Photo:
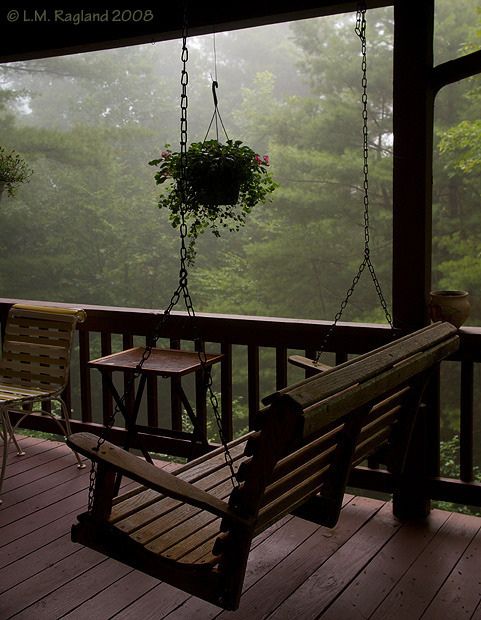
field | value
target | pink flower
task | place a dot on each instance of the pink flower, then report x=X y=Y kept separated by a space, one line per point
x=258 y=159
x=165 y=154
x=266 y=160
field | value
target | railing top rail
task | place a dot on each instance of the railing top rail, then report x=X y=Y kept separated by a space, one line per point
x=244 y=330
x=235 y=329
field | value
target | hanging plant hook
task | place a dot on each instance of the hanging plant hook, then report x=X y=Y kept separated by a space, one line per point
x=215 y=85
x=216 y=115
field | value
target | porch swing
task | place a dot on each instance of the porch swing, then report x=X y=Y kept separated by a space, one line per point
x=193 y=529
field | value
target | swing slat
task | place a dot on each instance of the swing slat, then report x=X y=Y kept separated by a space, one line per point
x=156 y=479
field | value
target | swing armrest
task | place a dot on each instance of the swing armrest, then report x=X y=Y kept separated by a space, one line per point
x=150 y=476
x=308 y=364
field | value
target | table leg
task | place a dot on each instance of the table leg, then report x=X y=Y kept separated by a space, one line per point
x=131 y=422
x=198 y=433
x=130 y=418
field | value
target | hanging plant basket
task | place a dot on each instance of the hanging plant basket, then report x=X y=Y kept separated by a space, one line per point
x=220 y=187
x=223 y=182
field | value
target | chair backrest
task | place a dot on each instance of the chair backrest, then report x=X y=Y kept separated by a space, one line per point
x=36 y=346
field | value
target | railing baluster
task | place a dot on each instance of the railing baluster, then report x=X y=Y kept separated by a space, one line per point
x=85 y=386
x=128 y=343
x=67 y=396
x=432 y=398
x=200 y=396
x=281 y=367
x=152 y=402
x=311 y=354
x=175 y=402
x=152 y=398
x=253 y=398
x=466 y=439
x=107 y=405
x=226 y=391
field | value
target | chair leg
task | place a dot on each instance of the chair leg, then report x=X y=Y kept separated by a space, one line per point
x=68 y=430
x=10 y=431
x=4 y=435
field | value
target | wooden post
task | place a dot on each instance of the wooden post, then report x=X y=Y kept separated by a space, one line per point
x=413 y=123
x=413 y=111
x=410 y=498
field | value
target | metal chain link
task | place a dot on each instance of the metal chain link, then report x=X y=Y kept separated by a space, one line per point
x=360 y=30
x=182 y=289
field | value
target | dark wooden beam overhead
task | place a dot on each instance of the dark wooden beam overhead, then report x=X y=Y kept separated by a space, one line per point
x=54 y=28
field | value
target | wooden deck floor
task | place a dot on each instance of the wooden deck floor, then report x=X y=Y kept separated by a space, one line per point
x=369 y=566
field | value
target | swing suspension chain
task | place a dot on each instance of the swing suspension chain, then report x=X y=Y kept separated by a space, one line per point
x=361 y=33
x=183 y=275
x=360 y=30
x=182 y=289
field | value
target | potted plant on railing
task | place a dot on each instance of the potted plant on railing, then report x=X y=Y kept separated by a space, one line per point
x=13 y=171
x=448 y=305
x=223 y=182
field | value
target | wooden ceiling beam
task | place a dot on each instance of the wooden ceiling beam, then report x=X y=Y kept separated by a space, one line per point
x=28 y=33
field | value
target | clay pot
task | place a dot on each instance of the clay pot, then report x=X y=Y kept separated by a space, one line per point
x=451 y=306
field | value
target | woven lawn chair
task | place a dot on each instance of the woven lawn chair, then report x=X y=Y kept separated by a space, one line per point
x=35 y=367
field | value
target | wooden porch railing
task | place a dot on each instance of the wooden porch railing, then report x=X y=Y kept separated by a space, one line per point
x=255 y=363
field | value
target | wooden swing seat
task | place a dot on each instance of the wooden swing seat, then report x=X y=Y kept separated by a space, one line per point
x=192 y=529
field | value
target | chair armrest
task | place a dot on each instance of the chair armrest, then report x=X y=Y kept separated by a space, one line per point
x=150 y=476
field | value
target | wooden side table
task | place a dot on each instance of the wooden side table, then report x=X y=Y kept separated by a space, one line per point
x=168 y=363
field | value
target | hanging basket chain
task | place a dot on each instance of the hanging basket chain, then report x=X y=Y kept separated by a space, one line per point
x=360 y=30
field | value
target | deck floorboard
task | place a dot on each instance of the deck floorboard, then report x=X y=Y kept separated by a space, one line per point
x=369 y=566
